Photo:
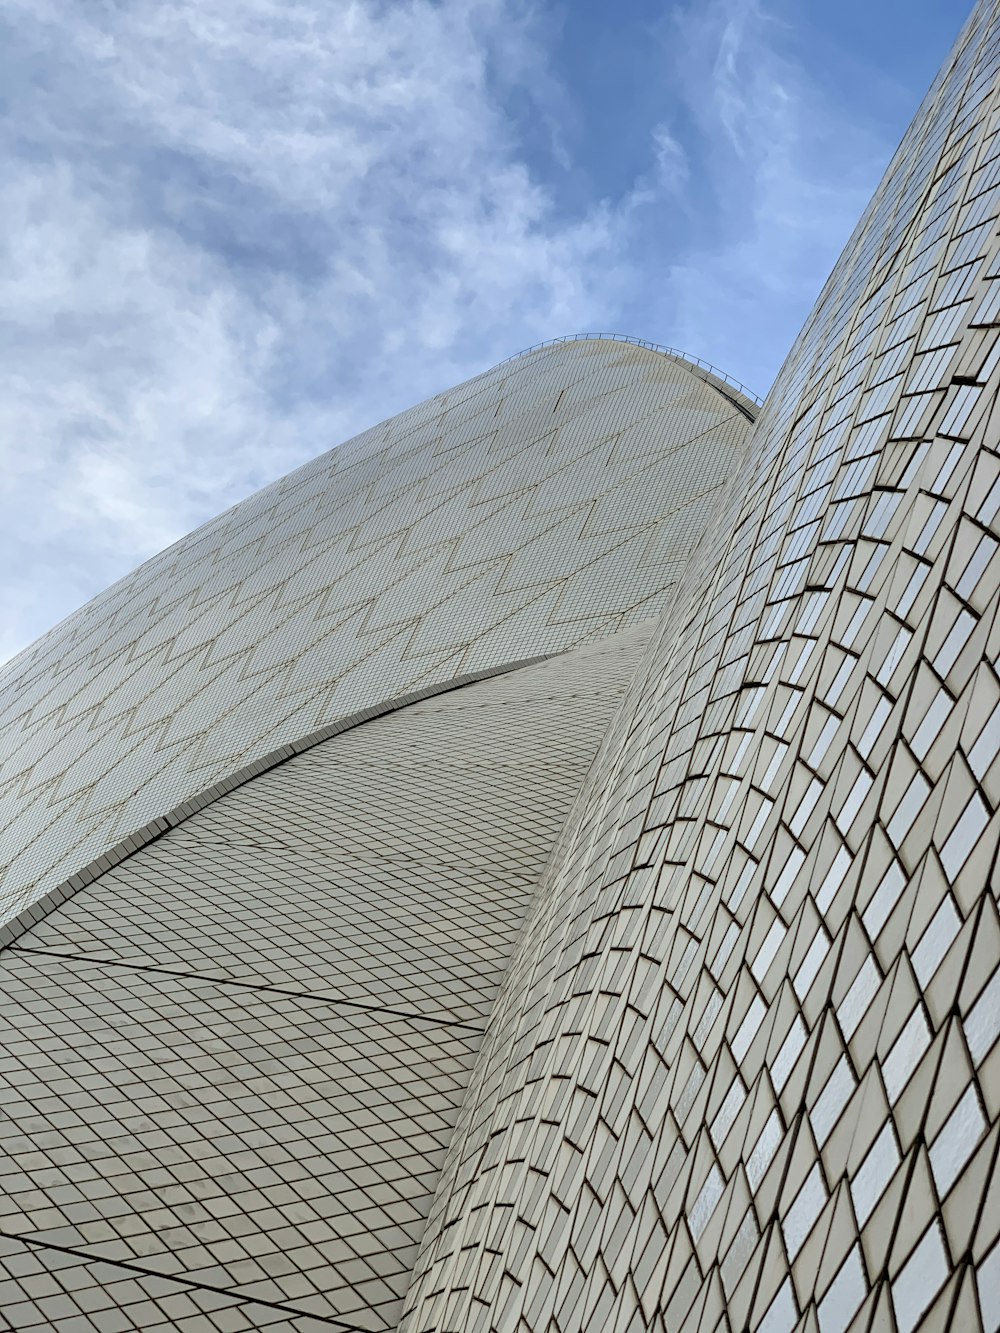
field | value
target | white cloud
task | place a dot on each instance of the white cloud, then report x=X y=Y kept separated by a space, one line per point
x=238 y=231
x=788 y=173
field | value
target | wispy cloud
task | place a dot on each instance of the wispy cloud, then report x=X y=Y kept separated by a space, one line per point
x=788 y=174
x=238 y=231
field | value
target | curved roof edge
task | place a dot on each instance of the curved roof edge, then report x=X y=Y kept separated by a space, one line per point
x=35 y=911
x=274 y=618
x=746 y=400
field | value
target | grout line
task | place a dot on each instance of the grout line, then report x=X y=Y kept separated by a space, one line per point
x=31 y=913
x=95 y=961
x=174 y=1277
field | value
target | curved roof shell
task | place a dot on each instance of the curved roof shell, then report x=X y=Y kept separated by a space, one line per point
x=258 y=1028
x=744 y=1068
x=550 y=501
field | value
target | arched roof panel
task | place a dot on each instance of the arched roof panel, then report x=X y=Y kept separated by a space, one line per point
x=518 y=514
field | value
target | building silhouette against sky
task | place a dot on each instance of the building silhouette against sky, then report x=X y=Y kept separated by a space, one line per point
x=534 y=867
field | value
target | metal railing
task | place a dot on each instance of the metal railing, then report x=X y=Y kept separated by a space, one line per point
x=673 y=352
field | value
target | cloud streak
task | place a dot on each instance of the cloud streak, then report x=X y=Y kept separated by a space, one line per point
x=237 y=233
x=783 y=175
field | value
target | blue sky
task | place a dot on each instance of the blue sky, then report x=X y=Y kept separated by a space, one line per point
x=237 y=232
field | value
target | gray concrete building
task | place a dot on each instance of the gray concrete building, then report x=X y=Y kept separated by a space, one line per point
x=534 y=868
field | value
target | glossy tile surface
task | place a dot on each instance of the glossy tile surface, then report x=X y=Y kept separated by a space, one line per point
x=655 y=986
x=235 y=1060
x=743 y=1071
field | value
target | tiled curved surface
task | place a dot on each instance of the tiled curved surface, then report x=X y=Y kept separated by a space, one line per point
x=232 y=1064
x=744 y=1071
x=545 y=503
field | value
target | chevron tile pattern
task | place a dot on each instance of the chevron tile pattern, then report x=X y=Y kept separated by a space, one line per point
x=652 y=986
x=546 y=503
x=233 y=1063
